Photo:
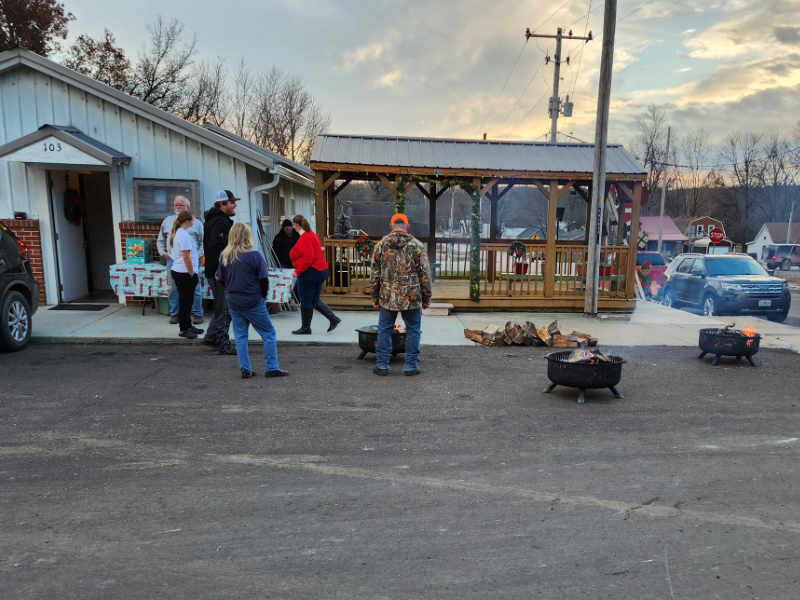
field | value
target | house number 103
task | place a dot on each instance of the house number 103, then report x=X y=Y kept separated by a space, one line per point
x=52 y=147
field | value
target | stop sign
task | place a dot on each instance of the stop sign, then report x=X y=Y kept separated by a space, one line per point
x=717 y=235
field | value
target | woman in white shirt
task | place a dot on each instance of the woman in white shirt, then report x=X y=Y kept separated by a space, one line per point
x=184 y=271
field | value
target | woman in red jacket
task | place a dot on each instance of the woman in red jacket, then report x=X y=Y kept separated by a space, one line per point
x=312 y=272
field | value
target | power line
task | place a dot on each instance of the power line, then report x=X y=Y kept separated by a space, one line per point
x=553 y=15
x=526 y=115
x=723 y=165
x=501 y=89
x=518 y=99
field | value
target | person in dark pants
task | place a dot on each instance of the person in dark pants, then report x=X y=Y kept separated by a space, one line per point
x=400 y=282
x=184 y=271
x=283 y=243
x=312 y=272
x=217 y=226
x=244 y=274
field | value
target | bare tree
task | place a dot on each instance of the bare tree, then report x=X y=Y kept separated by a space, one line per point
x=33 y=24
x=162 y=75
x=241 y=100
x=778 y=173
x=741 y=150
x=100 y=59
x=648 y=145
x=205 y=97
x=691 y=179
x=285 y=117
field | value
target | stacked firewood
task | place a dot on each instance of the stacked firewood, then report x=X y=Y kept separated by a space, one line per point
x=529 y=335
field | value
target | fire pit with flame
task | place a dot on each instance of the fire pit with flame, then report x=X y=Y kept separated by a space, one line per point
x=368 y=340
x=727 y=341
x=584 y=368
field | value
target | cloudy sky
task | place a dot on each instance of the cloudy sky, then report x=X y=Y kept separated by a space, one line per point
x=437 y=67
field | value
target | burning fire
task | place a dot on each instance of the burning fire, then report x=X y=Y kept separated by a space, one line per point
x=749 y=331
x=398 y=328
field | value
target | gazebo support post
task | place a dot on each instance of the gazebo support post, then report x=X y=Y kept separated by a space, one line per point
x=550 y=254
x=633 y=248
x=319 y=203
x=432 y=197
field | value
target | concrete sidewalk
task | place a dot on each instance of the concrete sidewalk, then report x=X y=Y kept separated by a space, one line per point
x=650 y=325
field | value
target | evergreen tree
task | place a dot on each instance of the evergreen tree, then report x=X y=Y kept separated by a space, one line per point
x=342 y=230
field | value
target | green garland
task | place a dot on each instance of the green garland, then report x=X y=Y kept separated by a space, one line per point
x=517 y=251
x=475 y=194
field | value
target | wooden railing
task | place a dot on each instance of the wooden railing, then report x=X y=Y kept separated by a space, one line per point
x=501 y=276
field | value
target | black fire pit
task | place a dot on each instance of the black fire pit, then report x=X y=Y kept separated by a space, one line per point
x=368 y=340
x=728 y=342
x=582 y=375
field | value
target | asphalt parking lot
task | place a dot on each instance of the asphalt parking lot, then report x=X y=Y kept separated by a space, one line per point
x=154 y=471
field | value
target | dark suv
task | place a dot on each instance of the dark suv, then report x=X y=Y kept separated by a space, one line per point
x=19 y=292
x=726 y=283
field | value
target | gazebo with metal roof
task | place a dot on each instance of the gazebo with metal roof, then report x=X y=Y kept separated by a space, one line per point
x=552 y=276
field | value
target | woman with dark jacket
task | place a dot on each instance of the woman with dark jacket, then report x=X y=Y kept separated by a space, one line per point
x=312 y=272
x=244 y=274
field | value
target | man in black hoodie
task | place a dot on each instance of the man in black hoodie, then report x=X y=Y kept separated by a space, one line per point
x=217 y=225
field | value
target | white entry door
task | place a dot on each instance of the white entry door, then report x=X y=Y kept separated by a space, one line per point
x=70 y=242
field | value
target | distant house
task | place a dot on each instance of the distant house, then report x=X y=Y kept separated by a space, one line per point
x=696 y=228
x=771 y=234
x=672 y=240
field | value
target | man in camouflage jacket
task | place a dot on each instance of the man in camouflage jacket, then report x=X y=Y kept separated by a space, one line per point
x=400 y=282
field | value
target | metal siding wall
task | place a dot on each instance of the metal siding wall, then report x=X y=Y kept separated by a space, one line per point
x=29 y=100
x=163 y=155
x=44 y=99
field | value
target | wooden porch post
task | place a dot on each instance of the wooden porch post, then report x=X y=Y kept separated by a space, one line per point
x=630 y=287
x=319 y=203
x=491 y=258
x=432 y=197
x=550 y=255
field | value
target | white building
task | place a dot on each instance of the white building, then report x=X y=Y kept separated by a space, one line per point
x=127 y=159
x=771 y=234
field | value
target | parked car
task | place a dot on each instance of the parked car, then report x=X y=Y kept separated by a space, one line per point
x=19 y=292
x=726 y=283
x=782 y=256
x=658 y=262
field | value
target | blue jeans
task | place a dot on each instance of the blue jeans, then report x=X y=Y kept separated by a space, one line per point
x=386 y=321
x=309 y=286
x=258 y=317
x=197 y=306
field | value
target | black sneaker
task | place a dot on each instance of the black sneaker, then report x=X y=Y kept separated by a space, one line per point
x=247 y=374
x=210 y=344
x=381 y=372
x=276 y=373
x=195 y=330
x=228 y=350
x=188 y=334
x=412 y=373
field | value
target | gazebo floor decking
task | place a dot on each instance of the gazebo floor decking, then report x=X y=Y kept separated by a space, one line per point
x=457 y=293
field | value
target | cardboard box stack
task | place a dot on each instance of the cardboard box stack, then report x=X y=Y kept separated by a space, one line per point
x=280 y=285
x=148 y=280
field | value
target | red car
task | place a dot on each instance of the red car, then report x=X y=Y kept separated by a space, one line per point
x=658 y=262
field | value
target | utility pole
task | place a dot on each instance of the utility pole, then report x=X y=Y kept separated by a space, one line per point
x=663 y=195
x=555 y=107
x=599 y=176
